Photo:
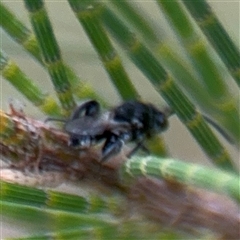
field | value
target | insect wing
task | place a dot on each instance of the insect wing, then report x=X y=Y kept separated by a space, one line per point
x=85 y=126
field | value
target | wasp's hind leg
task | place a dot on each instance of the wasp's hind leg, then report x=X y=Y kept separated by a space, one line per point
x=137 y=147
x=112 y=146
x=90 y=108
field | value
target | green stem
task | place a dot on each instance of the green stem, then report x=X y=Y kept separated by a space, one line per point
x=74 y=233
x=11 y=72
x=196 y=49
x=53 y=200
x=187 y=173
x=89 y=18
x=217 y=35
x=22 y=35
x=51 y=52
x=165 y=84
x=52 y=218
x=129 y=12
x=224 y=112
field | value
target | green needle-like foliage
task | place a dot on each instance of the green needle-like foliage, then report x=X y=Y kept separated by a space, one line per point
x=201 y=59
x=89 y=18
x=51 y=52
x=130 y=13
x=22 y=35
x=54 y=200
x=195 y=47
x=49 y=206
x=224 y=113
x=19 y=32
x=217 y=35
x=75 y=233
x=85 y=214
x=164 y=83
x=53 y=218
x=11 y=72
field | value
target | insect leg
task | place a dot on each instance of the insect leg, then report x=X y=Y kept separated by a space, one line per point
x=112 y=146
x=136 y=148
x=219 y=129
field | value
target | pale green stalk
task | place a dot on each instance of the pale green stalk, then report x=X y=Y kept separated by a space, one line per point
x=186 y=173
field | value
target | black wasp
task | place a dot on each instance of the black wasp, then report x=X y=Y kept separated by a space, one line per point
x=132 y=121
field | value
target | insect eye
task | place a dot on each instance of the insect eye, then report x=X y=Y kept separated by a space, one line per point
x=74 y=142
x=161 y=121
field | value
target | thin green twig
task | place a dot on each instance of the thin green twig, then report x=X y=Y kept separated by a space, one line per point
x=50 y=52
x=11 y=72
x=89 y=18
x=217 y=35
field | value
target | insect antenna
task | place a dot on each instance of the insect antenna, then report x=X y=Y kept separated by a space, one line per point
x=50 y=119
x=219 y=129
x=169 y=112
